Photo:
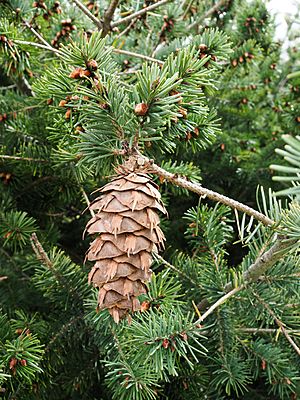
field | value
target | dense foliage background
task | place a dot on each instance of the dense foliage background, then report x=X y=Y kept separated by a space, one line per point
x=219 y=97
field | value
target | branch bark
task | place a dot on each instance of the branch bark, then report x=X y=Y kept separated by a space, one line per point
x=139 y=13
x=207 y=14
x=258 y=268
x=278 y=322
x=202 y=191
x=87 y=12
x=137 y=55
x=108 y=16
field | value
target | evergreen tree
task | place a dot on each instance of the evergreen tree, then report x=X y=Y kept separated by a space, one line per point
x=195 y=94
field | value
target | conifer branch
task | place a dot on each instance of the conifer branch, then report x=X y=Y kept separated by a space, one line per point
x=207 y=14
x=39 y=251
x=137 y=55
x=182 y=273
x=38 y=45
x=278 y=322
x=87 y=12
x=139 y=13
x=108 y=16
x=36 y=34
x=268 y=330
x=17 y=158
x=219 y=302
x=202 y=191
x=258 y=268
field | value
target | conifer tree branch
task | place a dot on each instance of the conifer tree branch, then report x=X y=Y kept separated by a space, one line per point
x=182 y=273
x=38 y=45
x=219 y=302
x=87 y=12
x=278 y=322
x=139 y=13
x=207 y=14
x=108 y=16
x=202 y=191
x=268 y=330
x=39 y=251
x=137 y=55
x=258 y=268
x=17 y=158
x=36 y=34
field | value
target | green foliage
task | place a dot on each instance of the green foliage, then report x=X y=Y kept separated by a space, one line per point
x=212 y=108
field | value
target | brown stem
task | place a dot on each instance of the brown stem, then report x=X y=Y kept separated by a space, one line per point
x=7 y=157
x=108 y=16
x=87 y=12
x=258 y=268
x=207 y=14
x=202 y=191
x=137 y=55
x=139 y=13
x=278 y=322
x=39 y=251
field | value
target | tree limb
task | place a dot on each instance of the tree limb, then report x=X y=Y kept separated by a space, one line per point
x=87 y=12
x=139 y=13
x=258 y=268
x=137 y=55
x=202 y=191
x=108 y=16
x=207 y=14
x=278 y=322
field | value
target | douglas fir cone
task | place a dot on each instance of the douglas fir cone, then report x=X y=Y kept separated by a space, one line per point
x=127 y=227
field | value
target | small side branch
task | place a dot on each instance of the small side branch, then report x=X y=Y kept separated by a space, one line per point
x=139 y=13
x=108 y=16
x=218 y=303
x=39 y=251
x=202 y=191
x=278 y=322
x=207 y=14
x=258 y=268
x=17 y=158
x=137 y=55
x=87 y=12
x=36 y=34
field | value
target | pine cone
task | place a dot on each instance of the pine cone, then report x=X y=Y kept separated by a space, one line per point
x=127 y=227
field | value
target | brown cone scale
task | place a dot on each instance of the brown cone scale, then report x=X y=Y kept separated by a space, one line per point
x=126 y=223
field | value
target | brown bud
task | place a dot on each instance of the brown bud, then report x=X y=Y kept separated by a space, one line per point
x=84 y=73
x=222 y=146
x=263 y=364
x=202 y=47
x=18 y=331
x=92 y=65
x=12 y=363
x=75 y=74
x=297 y=119
x=234 y=63
x=141 y=109
x=165 y=343
x=145 y=306
x=241 y=59
x=78 y=129
x=196 y=132
x=188 y=136
x=273 y=66
x=244 y=100
x=183 y=112
x=62 y=103
x=23 y=362
x=49 y=101
x=68 y=113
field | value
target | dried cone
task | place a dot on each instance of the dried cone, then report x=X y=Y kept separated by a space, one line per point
x=127 y=227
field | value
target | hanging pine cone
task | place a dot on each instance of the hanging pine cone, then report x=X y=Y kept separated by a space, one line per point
x=127 y=227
